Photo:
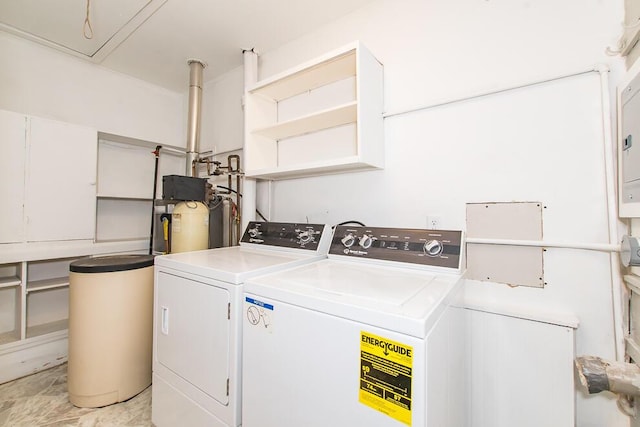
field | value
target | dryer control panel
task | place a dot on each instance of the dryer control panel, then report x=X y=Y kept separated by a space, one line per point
x=437 y=248
x=284 y=234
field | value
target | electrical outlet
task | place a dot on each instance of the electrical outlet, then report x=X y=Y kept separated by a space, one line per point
x=433 y=222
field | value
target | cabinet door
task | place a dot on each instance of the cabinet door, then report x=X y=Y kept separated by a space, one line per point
x=61 y=178
x=12 y=153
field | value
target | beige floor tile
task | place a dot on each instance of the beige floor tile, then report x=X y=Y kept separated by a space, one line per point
x=41 y=399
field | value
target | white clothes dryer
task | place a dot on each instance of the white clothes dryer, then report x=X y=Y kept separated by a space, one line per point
x=372 y=336
x=198 y=320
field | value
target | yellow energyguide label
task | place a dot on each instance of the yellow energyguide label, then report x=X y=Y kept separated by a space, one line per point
x=385 y=376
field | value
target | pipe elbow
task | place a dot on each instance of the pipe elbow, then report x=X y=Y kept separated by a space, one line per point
x=597 y=375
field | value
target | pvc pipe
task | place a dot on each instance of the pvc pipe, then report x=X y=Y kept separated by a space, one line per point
x=603 y=247
x=482 y=94
x=250 y=67
x=249 y=194
x=612 y=213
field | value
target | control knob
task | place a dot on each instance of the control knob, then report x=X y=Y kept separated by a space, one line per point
x=253 y=232
x=366 y=241
x=433 y=248
x=305 y=236
x=348 y=240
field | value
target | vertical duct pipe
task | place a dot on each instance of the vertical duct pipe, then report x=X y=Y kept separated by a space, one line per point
x=249 y=187
x=612 y=214
x=195 y=111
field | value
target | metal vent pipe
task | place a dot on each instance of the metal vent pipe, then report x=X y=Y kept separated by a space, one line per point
x=195 y=112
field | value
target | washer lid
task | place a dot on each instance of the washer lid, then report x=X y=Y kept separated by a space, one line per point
x=404 y=300
x=235 y=264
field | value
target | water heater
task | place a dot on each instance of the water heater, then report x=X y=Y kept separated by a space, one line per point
x=189 y=227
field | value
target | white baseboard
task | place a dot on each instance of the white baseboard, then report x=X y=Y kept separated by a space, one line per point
x=32 y=355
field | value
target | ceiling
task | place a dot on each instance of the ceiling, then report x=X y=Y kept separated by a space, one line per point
x=153 y=39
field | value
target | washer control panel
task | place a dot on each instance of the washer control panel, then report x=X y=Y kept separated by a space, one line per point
x=438 y=248
x=284 y=234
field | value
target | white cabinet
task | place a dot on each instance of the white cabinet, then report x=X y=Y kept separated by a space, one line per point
x=510 y=356
x=12 y=156
x=48 y=174
x=324 y=116
x=61 y=178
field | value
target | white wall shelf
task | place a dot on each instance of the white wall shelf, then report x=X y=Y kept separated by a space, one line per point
x=47 y=328
x=116 y=197
x=53 y=283
x=7 y=282
x=324 y=116
x=329 y=118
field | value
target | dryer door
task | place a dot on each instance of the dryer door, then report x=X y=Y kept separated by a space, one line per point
x=192 y=332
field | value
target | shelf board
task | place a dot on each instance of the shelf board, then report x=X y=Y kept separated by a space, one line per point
x=41 y=285
x=7 y=282
x=346 y=164
x=47 y=328
x=7 y=337
x=33 y=251
x=132 y=198
x=325 y=119
x=308 y=76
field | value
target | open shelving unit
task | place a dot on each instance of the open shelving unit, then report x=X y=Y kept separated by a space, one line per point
x=103 y=202
x=10 y=301
x=324 y=116
x=125 y=176
x=46 y=296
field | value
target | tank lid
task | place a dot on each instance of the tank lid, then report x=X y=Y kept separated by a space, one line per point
x=111 y=263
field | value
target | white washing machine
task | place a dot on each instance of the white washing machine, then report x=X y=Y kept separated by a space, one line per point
x=372 y=336
x=198 y=320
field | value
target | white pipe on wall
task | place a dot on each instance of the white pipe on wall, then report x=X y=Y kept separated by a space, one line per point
x=612 y=213
x=249 y=187
x=603 y=247
x=483 y=94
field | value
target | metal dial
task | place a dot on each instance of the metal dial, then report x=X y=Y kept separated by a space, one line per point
x=433 y=248
x=253 y=232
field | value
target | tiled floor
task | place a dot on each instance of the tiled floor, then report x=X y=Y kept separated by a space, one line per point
x=41 y=400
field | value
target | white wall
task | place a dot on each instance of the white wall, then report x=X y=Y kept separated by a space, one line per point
x=39 y=81
x=222 y=114
x=542 y=143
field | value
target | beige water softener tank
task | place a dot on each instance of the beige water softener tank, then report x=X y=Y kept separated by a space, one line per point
x=110 y=328
x=189 y=227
